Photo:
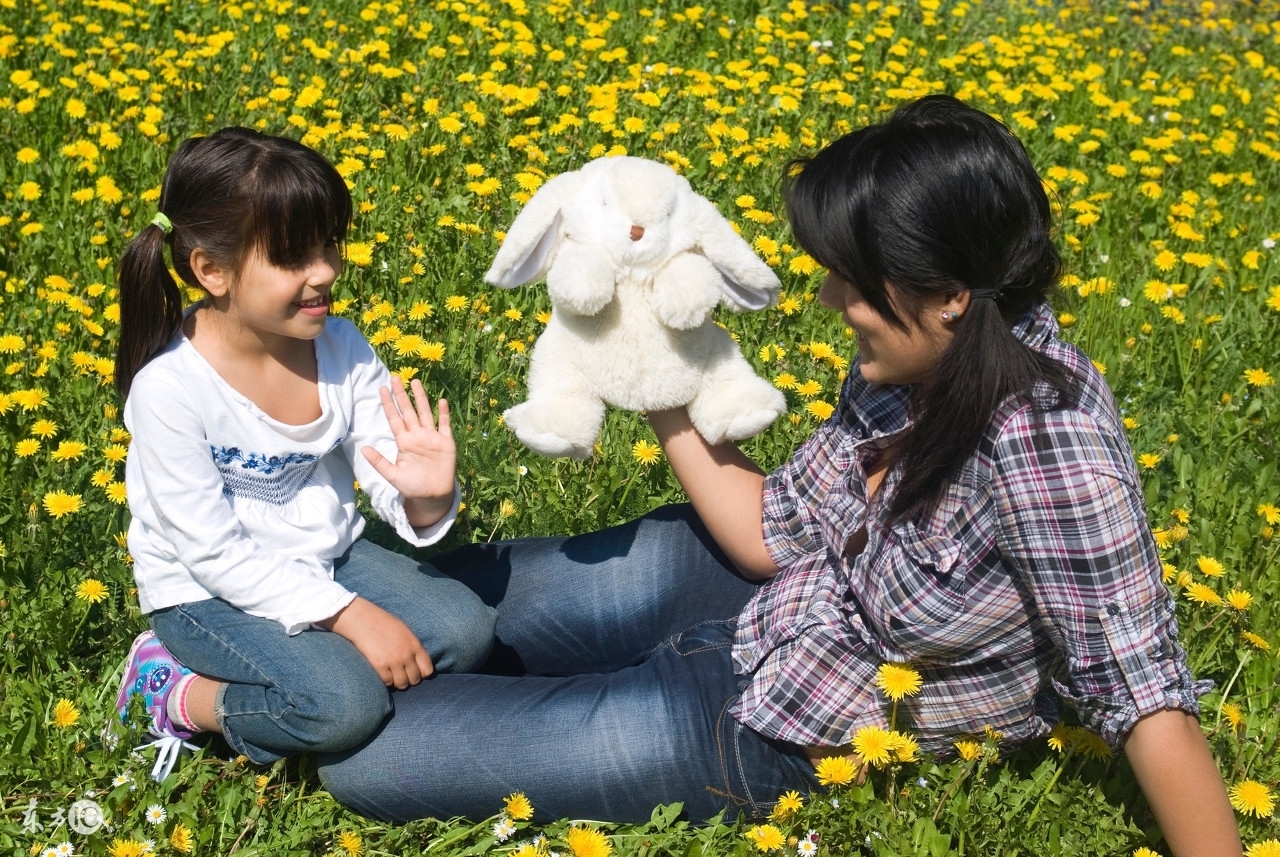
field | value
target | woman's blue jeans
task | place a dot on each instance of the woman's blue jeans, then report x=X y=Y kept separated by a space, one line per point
x=314 y=691
x=618 y=643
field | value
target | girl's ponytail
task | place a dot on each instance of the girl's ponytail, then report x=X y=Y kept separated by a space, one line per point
x=150 y=305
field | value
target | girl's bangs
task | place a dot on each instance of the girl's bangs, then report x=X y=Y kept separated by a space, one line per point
x=298 y=206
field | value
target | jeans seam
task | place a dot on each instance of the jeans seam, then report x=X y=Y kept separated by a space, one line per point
x=729 y=793
x=675 y=638
x=250 y=663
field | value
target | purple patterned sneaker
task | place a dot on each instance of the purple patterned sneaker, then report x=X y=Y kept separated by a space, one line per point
x=152 y=672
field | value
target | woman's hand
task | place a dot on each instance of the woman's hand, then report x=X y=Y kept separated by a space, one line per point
x=426 y=456
x=387 y=644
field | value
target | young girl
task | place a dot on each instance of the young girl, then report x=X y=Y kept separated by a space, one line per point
x=971 y=509
x=253 y=415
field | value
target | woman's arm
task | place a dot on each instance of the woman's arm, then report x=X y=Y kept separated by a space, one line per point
x=1173 y=764
x=725 y=487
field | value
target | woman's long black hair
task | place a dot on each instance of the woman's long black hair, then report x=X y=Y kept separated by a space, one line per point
x=228 y=193
x=939 y=198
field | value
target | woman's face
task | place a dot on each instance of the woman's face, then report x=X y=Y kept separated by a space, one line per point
x=891 y=355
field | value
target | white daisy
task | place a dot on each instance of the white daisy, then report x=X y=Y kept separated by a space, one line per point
x=503 y=829
x=805 y=848
x=155 y=814
x=65 y=849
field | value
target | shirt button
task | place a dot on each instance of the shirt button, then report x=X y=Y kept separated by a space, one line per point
x=1113 y=609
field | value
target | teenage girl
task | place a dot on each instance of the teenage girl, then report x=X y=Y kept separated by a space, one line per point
x=253 y=416
x=971 y=508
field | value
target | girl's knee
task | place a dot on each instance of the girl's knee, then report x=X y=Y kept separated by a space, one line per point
x=471 y=639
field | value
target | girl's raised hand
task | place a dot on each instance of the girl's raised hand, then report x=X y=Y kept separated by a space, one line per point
x=426 y=456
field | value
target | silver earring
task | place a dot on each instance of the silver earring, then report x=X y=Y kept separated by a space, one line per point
x=947 y=316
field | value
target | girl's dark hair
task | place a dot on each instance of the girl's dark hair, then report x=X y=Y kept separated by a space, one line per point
x=228 y=194
x=939 y=198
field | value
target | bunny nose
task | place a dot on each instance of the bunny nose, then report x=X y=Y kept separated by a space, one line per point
x=637 y=232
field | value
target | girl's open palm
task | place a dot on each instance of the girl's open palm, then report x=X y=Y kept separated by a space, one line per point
x=426 y=456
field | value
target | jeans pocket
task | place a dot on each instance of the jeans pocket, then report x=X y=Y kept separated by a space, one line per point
x=756 y=770
x=704 y=637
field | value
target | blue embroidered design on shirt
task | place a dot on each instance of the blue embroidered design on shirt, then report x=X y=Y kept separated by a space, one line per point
x=273 y=479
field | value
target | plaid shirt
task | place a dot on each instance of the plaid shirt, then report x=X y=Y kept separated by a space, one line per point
x=1036 y=571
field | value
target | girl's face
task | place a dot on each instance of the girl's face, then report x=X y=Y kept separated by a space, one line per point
x=293 y=301
x=891 y=355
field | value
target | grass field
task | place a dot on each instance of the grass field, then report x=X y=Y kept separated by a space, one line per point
x=1155 y=126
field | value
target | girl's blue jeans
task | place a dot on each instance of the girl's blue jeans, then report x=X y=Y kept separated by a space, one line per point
x=618 y=646
x=314 y=691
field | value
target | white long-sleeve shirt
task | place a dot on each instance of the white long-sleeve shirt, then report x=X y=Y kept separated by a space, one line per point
x=230 y=503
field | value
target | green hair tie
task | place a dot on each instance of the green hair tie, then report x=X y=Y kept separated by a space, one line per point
x=165 y=224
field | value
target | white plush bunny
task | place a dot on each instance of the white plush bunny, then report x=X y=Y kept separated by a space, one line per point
x=635 y=262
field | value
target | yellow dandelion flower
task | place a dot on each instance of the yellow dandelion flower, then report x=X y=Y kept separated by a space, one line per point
x=455 y=303
x=1233 y=715
x=350 y=843
x=836 y=771
x=117 y=493
x=821 y=410
x=30 y=399
x=1239 y=600
x=68 y=450
x=91 y=590
x=969 y=749
x=518 y=807
x=788 y=805
x=60 y=503
x=786 y=381
x=1148 y=460
x=1092 y=746
x=645 y=452
x=897 y=681
x=65 y=714
x=1265 y=848
x=766 y=837
x=1254 y=640
x=804 y=265
x=904 y=747
x=1269 y=513
x=181 y=838
x=1165 y=260
x=1202 y=594
x=873 y=745
x=586 y=842
x=432 y=352
x=1259 y=378
x=809 y=388
x=44 y=428
x=1209 y=566
x=1252 y=797
x=1146 y=852
x=27 y=155
x=26 y=448
x=359 y=253
x=127 y=848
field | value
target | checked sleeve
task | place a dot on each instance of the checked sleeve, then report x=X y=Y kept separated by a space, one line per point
x=1072 y=525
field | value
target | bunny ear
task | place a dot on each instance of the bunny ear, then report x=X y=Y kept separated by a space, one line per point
x=529 y=248
x=747 y=282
